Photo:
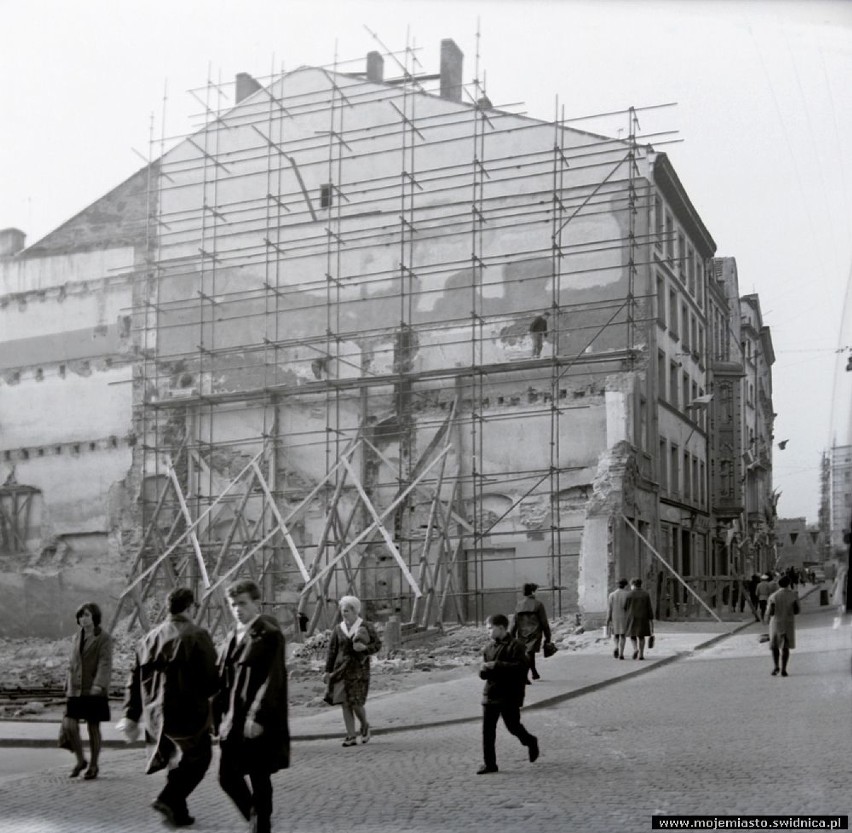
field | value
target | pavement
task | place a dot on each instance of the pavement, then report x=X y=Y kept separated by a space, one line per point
x=567 y=674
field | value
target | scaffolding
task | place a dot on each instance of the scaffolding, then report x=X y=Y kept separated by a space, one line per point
x=326 y=418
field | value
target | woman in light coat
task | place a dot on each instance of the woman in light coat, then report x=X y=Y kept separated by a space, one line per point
x=347 y=667
x=87 y=687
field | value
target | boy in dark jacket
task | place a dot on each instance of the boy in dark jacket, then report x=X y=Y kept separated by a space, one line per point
x=504 y=669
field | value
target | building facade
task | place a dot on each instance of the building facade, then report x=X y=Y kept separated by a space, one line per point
x=394 y=341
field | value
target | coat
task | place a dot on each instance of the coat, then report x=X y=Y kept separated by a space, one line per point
x=640 y=613
x=782 y=607
x=530 y=624
x=616 y=615
x=343 y=662
x=173 y=678
x=253 y=686
x=92 y=666
x=506 y=681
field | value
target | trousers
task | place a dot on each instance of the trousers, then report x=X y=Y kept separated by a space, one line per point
x=491 y=714
x=254 y=804
x=196 y=754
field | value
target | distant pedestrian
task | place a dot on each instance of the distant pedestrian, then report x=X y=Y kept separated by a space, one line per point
x=504 y=669
x=250 y=709
x=640 y=615
x=752 y=595
x=347 y=667
x=763 y=591
x=87 y=687
x=781 y=609
x=530 y=625
x=616 y=617
x=538 y=332
x=838 y=590
x=169 y=689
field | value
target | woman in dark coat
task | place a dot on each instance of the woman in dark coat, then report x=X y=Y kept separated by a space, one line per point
x=87 y=687
x=640 y=614
x=530 y=625
x=347 y=667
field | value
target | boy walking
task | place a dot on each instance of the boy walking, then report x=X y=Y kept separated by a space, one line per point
x=504 y=669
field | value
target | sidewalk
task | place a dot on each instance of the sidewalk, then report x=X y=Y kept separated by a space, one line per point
x=565 y=675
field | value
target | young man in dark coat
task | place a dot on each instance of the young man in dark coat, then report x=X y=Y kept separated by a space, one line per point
x=504 y=669
x=170 y=687
x=251 y=707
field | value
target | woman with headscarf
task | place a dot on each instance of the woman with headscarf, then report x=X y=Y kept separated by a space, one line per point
x=530 y=625
x=87 y=687
x=347 y=667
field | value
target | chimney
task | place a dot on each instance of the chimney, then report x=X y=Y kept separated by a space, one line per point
x=375 y=67
x=452 y=59
x=12 y=241
x=246 y=85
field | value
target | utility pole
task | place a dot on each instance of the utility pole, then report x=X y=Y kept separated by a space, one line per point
x=848 y=537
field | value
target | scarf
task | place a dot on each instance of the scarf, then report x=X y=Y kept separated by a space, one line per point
x=349 y=632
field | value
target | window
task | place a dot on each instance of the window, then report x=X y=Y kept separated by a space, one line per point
x=690 y=270
x=687 y=481
x=685 y=390
x=669 y=237
x=703 y=485
x=661 y=301
x=693 y=333
x=699 y=269
x=661 y=374
x=673 y=385
x=674 y=473
x=658 y=223
x=643 y=423
x=700 y=342
x=325 y=195
x=695 y=487
x=684 y=325
x=664 y=466
x=681 y=254
x=673 y=329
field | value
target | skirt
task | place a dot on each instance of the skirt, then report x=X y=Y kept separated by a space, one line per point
x=89 y=707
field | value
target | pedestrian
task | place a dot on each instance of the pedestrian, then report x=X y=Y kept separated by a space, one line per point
x=530 y=625
x=538 y=332
x=504 y=669
x=640 y=615
x=781 y=609
x=838 y=590
x=752 y=594
x=616 y=617
x=347 y=667
x=169 y=689
x=87 y=688
x=763 y=591
x=250 y=709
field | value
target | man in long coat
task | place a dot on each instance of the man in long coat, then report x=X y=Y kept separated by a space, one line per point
x=616 y=617
x=251 y=707
x=782 y=608
x=530 y=625
x=640 y=614
x=169 y=689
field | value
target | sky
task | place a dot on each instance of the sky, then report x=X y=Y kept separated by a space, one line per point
x=761 y=106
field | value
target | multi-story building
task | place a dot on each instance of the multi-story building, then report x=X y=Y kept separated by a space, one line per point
x=840 y=498
x=797 y=543
x=382 y=338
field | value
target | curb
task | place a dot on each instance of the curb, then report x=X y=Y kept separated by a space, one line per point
x=44 y=743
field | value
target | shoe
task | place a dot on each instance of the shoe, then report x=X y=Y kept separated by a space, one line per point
x=615 y=653
x=485 y=769
x=172 y=816
x=641 y=657
x=536 y=675
x=774 y=672
x=347 y=741
x=621 y=656
x=365 y=733
x=636 y=655
x=91 y=773
x=533 y=750
x=784 y=674
x=78 y=768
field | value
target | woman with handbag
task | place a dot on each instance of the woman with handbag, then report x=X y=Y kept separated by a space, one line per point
x=87 y=688
x=347 y=667
x=530 y=625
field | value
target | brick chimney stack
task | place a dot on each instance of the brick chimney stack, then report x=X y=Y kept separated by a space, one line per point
x=246 y=85
x=452 y=61
x=375 y=67
x=12 y=241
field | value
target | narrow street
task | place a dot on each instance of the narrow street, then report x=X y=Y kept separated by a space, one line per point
x=711 y=734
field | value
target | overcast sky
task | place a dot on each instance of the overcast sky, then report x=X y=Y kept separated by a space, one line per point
x=763 y=117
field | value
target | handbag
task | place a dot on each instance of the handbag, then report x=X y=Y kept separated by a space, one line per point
x=549 y=649
x=65 y=741
x=651 y=641
x=335 y=694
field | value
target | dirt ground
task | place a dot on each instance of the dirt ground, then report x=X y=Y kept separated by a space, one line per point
x=41 y=663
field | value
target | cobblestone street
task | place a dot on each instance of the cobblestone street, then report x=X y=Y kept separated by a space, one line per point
x=711 y=734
